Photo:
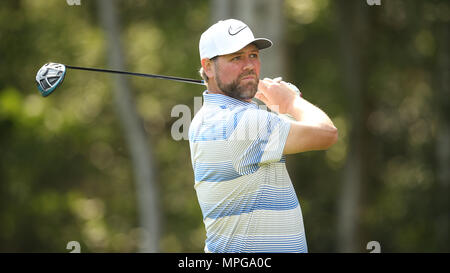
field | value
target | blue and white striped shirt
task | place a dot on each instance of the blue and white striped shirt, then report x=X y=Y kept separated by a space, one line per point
x=243 y=188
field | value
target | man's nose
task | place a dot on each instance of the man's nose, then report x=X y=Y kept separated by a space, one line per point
x=249 y=64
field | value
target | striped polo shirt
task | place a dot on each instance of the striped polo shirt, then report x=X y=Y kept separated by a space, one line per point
x=243 y=188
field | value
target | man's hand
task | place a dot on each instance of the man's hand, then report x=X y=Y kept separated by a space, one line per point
x=276 y=94
x=312 y=128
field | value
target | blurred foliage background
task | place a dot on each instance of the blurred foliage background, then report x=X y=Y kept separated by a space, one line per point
x=65 y=169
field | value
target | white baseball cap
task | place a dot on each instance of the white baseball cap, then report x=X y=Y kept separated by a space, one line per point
x=228 y=36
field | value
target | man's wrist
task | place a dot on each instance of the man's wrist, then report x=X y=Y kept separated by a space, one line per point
x=295 y=88
x=294 y=109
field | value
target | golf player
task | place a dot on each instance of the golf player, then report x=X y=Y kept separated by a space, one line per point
x=238 y=150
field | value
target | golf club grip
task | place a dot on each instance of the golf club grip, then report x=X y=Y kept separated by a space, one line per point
x=138 y=74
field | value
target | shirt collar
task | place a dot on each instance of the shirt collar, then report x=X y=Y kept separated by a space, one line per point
x=220 y=99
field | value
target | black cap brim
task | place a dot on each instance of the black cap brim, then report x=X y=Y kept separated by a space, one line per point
x=262 y=43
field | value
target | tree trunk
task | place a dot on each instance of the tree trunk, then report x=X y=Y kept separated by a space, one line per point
x=443 y=140
x=135 y=136
x=352 y=29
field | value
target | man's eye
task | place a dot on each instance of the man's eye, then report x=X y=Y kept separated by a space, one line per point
x=237 y=58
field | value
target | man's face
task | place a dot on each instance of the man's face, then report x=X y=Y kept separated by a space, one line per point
x=237 y=74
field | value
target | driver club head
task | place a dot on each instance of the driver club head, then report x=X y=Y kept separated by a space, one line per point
x=49 y=77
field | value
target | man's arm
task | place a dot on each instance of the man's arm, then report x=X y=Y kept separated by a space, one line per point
x=312 y=128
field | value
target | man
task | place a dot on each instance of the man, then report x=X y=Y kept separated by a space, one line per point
x=237 y=150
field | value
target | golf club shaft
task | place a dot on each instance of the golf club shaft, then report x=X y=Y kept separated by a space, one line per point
x=138 y=74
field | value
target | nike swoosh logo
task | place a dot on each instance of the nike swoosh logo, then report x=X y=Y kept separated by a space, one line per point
x=232 y=31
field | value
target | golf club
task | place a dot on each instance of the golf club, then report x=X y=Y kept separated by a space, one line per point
x=51 y=75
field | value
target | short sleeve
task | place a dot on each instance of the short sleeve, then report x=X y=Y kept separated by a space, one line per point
x=258 y=138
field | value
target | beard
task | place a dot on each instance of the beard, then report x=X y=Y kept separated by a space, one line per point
x=237 y=90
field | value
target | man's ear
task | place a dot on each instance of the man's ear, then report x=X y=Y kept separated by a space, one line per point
x=207 y=65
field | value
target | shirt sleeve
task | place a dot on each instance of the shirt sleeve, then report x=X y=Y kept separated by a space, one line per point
x=258 y=138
